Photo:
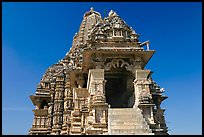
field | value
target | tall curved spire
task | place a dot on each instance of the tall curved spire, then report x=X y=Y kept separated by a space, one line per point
x=90 y=18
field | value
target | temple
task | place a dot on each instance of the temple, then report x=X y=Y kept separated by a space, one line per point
x=101 y=86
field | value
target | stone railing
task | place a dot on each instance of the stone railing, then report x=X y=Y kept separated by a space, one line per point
x=39 y=122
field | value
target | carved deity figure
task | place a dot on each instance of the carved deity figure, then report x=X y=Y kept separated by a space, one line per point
x=54 y=120
x=66 y=105
x=50 y=109
x=56 y=95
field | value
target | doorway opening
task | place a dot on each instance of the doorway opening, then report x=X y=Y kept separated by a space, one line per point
x=119 y=89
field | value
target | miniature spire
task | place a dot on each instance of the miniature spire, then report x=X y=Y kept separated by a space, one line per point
x=90 y=12
x=92 y=9
x=112 y=13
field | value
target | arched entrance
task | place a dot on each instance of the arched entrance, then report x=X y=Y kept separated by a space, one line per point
x=119 y=90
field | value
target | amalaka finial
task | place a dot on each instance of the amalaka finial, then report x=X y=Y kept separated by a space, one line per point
x=92 y=9
x=110 y=13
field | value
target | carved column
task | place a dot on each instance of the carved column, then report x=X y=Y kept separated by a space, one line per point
x=142 y=94
x=140 y=76
x=67 y=106
x=58 y=104
x=158 y=112
x=79 y=95
x=51 y=106
x=97 y=119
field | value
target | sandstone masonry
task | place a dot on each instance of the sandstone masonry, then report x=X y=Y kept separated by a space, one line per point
x=101 y=86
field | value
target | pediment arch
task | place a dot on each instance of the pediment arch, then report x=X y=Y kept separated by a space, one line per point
x=114 y=63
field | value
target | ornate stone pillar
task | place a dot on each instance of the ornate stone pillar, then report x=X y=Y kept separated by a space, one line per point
x=140 y=77
x=143 y=97
x=50 y=109
x=79 y=97
x=97 y=119
x=58 y=104
x=67 y=105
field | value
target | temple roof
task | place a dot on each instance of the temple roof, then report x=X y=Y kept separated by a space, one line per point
x=92 y=31
x=93 y=28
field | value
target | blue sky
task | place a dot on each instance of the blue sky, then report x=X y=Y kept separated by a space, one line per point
x=37 y=35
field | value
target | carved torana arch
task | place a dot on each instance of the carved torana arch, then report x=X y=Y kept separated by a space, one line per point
x=117 y=63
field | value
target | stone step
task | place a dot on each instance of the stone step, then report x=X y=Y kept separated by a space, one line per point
x=122 y=121
x=127 y=117
x=123 y=110
x=131 y=134
x=125 y=114
x=129 y=127
x=130 y=131
x=119 y=122
x=133 y=130
x=134 y=126
x=128 y=123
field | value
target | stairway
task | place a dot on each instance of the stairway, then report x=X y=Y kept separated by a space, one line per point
x=127 y=121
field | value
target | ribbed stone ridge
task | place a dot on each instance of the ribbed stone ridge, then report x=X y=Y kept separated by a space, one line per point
x=127 y=121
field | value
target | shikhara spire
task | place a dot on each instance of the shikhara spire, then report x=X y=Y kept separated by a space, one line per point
x=101 y=86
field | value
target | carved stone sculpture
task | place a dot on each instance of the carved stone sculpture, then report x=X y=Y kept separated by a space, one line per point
x=101 y=86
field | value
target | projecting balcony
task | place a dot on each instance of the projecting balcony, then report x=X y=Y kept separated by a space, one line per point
x=40 y=121
x=145 y=43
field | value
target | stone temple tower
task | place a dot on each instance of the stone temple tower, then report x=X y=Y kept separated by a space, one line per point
x=101 y=86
